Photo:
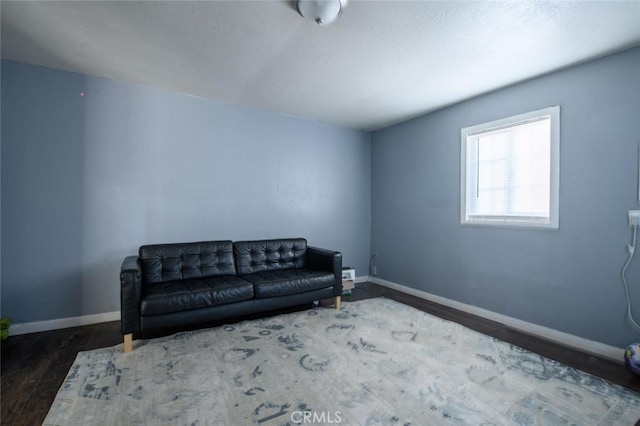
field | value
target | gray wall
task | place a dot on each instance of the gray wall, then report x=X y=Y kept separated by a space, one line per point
x=568 y=279
x=92 y=169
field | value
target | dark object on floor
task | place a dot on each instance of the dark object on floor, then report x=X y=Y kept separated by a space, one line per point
x=169 y=285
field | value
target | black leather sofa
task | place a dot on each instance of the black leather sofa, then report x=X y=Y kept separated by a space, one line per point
x=170 y=285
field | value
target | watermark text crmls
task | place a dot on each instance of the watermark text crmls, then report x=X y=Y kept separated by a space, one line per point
x=316 y=417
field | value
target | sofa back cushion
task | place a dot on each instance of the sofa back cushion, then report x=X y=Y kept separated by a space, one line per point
x=270 y=255
x=170 y=262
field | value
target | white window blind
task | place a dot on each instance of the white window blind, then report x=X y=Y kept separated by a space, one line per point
x=509 y=170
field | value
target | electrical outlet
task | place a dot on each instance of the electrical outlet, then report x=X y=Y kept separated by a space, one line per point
x=634 y=217
x=374 y=270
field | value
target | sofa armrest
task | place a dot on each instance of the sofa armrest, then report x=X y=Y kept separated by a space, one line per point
x=130 y=293
x=326 y=260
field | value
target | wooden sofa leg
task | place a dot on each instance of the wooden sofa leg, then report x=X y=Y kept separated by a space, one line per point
x=337 y=303
x=128 y=343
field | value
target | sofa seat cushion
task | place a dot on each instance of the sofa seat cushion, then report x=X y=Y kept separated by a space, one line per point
x=182 y=295
x=288 y=281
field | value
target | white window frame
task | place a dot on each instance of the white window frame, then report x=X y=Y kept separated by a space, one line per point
x=550 y=222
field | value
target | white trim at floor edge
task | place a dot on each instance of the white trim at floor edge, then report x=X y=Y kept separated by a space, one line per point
x=361 y=279
x=591 y=347
x=55 y=324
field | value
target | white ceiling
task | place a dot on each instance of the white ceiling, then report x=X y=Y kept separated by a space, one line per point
x=380 y=63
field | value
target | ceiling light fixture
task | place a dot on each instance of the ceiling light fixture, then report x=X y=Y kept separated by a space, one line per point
x=322 y=12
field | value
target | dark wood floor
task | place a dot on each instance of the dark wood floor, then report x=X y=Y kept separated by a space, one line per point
x=35 y=365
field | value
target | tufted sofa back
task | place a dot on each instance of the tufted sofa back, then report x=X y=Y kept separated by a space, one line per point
x=168 y=262
x=270 y=255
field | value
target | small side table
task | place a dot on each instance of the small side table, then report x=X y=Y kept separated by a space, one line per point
x=348 y=280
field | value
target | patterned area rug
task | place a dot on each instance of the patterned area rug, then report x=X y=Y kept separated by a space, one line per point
x=374 y=362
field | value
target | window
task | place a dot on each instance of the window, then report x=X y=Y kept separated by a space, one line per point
x=510 y=171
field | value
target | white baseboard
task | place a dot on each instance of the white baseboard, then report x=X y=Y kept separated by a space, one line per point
x=592 y=347
x=37 y=326
x=595 y=348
